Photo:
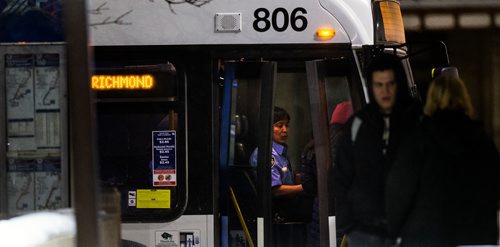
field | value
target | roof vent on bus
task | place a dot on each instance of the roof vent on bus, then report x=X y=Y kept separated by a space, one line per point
x=227 y=22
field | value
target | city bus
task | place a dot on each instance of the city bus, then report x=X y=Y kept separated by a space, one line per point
x=181 y=93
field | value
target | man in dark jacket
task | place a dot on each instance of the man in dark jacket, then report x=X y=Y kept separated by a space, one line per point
x=366 y=150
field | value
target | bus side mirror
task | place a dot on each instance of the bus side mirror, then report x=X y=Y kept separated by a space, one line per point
x=426 y=57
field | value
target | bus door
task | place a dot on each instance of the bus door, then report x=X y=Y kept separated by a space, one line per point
x=335 y=91
x=247 y=109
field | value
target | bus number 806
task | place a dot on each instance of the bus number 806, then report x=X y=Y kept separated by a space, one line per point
x=296 y=19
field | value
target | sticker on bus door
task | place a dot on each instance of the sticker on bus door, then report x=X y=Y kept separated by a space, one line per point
x=175 y=238
x=164 y=158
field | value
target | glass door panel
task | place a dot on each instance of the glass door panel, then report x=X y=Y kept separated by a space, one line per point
x=334 y=92
x=244 y=189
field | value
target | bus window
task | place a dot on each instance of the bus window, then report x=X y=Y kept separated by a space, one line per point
x=141 y=131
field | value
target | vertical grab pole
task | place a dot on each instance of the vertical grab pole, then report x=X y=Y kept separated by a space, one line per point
x=81 y=118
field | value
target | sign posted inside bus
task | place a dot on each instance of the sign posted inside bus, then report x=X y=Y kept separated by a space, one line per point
x=164 y=158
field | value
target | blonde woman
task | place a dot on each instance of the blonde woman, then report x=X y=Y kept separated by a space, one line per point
x=444 y=188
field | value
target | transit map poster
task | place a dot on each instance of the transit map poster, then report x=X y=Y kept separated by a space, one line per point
x=20 y=101
x=164 y=158
x=32 y=76
x=33 y=107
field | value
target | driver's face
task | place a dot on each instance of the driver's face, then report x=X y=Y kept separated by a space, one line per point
x=280 y=131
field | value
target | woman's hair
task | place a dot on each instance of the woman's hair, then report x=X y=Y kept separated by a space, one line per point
x=448 y=93
x=280 y=114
